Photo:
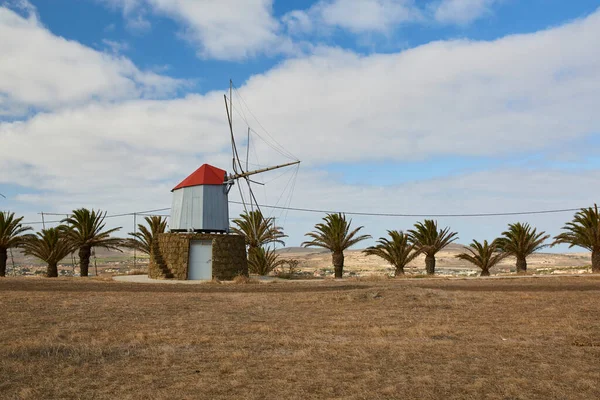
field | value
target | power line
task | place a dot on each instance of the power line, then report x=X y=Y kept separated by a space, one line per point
x=368 y=214
x=417 y=215
x=144 y=213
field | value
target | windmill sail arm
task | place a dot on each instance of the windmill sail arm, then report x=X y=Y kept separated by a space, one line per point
x=258 y=171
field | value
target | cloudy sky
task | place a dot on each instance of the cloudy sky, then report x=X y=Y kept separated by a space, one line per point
x=393 y=106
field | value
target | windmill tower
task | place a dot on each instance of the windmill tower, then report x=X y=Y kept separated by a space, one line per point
x=199 y=245
x=200 y=201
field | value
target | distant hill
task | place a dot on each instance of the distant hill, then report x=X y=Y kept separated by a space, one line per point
x=301 y=250
x=318 y=250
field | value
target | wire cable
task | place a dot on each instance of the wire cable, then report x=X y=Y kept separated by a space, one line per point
x=290 y=155
x=418 y=215
x=368 y=214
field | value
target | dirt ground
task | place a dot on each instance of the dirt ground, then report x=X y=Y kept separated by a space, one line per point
x=72 y=338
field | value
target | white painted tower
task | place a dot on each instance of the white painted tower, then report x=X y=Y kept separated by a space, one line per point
x=200 y=202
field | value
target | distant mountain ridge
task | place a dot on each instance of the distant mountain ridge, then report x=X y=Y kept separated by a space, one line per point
x=318 y=250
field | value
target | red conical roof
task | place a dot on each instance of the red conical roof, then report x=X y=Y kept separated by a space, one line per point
x=205 y=175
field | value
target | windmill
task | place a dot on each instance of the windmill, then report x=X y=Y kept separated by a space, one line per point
x=199 y=245
x=200 y=201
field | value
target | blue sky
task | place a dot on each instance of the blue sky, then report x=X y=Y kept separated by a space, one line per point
x=442 y=106
x=91 y=22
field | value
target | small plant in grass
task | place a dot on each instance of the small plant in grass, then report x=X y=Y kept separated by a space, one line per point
x=398 y=251
x=263 y=260
x=292 y=265
x=483 y=255
x=520 y=241
x=292 y=268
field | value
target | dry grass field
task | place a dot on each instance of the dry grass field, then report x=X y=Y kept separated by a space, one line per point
x=532 y=338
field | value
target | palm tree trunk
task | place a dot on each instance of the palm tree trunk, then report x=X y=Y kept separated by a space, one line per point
x=84 y=259
x=338 y=263
x=595 y=261
x=521 y=265
x=430 y=264
x=485 y=272
x=399 y=270
x=52 y=271
x=3 y=258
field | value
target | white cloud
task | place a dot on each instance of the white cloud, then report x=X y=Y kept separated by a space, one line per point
x=382 y=16
x=367 y=15
x=519 y=93
x=461 y=12
x=46 y=71
x=138 y=24
x=224 y=29
x=139 y=140
x=116 y=47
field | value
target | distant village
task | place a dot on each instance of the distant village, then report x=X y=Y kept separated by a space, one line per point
x=120 y=264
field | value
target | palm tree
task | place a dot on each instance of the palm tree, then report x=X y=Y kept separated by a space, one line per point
x=335 y=235
x=428 y=239
x=398 y=251
x=86 y=230
x=584 y=231
x=50 y=245
x=257 y=230
x=521 y=240
x=264 y=260
x=11 y=236
x=485 y=256
x=143 y=238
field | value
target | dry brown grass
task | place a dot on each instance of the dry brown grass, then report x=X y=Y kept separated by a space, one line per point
x=377 y=339
x=244 y=280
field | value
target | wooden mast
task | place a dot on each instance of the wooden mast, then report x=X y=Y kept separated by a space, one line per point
x=258 y=171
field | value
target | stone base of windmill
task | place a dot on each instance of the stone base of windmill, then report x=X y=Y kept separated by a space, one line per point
x=170 y=256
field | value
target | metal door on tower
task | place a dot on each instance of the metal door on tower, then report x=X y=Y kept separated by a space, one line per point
x=200 y=262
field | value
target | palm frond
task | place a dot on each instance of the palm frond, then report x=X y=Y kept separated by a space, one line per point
x=142 y=239
x=86 y=228
x=49 y=245
x=428 y=239
x=334 y=234
x=398 y=251
x=257 y=229
x=12 y=232
x=483 y=255
x=262 y=261
x=583 y=231
x=521 y=240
